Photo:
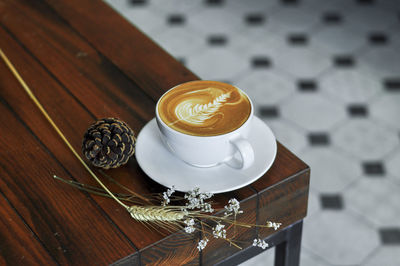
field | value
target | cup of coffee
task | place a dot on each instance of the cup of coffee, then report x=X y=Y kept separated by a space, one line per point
x=206 y=123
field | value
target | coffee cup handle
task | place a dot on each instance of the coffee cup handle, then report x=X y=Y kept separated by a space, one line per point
x=246 y=153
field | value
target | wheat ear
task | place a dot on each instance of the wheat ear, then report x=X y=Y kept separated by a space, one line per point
x=155 y=213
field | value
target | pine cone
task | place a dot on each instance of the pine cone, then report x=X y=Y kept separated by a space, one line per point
x=108 y=143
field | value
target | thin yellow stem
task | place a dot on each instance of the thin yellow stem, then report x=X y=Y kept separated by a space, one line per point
x=47 y=116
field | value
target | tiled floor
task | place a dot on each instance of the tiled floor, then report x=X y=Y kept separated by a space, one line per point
x=325 y=76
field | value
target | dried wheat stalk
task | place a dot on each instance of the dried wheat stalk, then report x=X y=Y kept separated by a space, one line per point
x=155 y=213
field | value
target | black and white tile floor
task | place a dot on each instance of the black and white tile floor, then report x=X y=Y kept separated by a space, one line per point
x=325 y=76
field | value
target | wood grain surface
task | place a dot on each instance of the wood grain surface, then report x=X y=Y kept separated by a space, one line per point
x=84 y=62
x=18 y=243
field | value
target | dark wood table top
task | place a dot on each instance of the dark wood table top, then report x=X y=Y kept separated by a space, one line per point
x=84 y=62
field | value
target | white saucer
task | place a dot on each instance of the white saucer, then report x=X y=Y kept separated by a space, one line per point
x=164 y=168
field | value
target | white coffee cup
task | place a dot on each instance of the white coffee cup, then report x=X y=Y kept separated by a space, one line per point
x=232 y=148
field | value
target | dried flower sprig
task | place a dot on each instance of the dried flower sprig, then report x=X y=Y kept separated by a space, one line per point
x=202 y=244
x=189 y=217
x=198 y=201
x=166 y=196
x=260 y=243
x=232 y=208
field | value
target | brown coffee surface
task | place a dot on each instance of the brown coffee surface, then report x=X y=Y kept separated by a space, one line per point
x=204 y=108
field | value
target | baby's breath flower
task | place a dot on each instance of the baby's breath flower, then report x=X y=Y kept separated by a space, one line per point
x=192 y=203
x=170 y=191
x=260 y=243
x=196 y=200
x=274 y=225
x=233 y=207
x=166 y=196
x=202 y=244
x=205 y=195
x=189 y=225
x=219 y=231
x=189 y=222
x=165 y=200
x=206 y=207
x=192 y=193
x=189 y=229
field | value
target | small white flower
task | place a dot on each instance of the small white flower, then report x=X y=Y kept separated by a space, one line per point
x=189 y=229
x=189 y=226
x=274 y=225
x=202 y=244
x=219 y=231
x=165 y=200
x=206 y=207
x=260 y=243
x=196 y=200
x=205 y=195
x=166 y=196
x=233 y=207
x=189 y=222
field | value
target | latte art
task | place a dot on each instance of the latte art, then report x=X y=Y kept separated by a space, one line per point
x=198 y=114
x=204 y=108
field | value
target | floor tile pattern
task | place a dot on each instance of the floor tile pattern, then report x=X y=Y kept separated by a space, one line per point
x=325 y=76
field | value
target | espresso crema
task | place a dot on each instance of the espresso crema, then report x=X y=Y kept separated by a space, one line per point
x=204 y=108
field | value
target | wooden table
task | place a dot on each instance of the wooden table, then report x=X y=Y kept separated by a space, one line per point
x=84 y=61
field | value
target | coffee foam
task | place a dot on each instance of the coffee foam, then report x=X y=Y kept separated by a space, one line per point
x=204 y=108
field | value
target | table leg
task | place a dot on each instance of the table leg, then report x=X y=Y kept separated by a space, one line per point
x=287 y=253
